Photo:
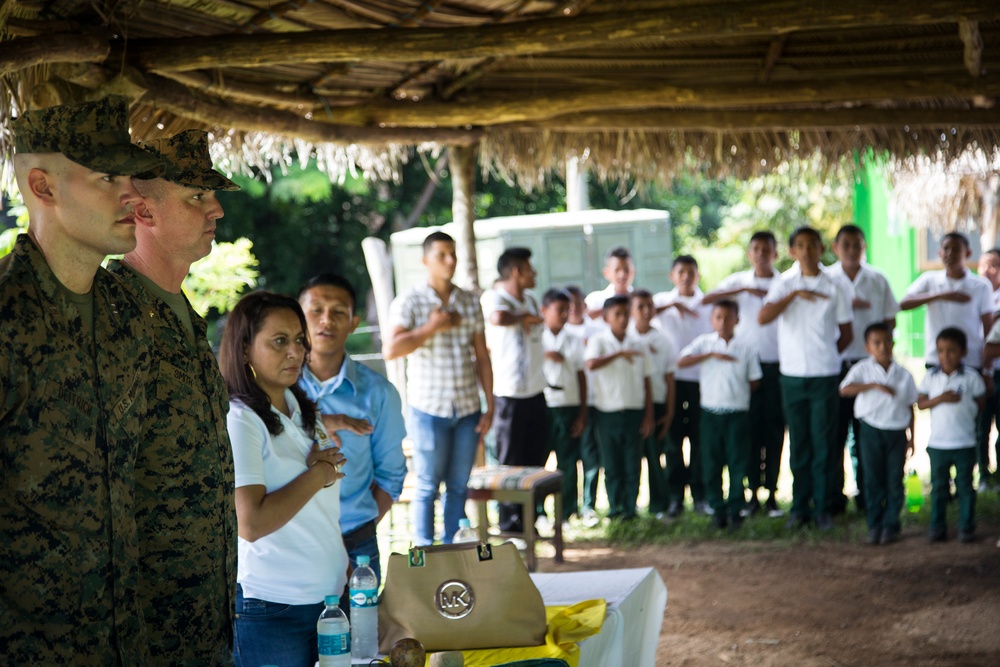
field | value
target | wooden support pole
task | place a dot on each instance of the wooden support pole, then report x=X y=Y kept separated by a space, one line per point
x=664 y=26
x=463 y=183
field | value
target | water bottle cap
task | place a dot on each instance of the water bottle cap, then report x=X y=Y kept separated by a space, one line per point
x=464 y=523
x=332 y=600
x=364 y=560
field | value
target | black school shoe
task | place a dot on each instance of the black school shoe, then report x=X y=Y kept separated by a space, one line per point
x=966 y=538
x=889 y=536
x=937 y=535
x=719 y=520
x=824 y=522
x=874 y=536
x=796 y=521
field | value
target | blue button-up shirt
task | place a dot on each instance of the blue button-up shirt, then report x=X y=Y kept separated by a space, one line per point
x=361 y=393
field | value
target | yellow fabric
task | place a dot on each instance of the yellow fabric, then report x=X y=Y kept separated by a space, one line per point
x=567 y=627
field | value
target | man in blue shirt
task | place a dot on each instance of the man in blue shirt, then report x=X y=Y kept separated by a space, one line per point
x=360 y=408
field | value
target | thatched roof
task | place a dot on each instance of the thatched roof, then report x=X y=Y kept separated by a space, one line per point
x=633 y=86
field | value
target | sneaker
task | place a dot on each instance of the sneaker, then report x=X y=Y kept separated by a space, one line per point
x=702 y=507
x=824 y=522
x=937 y=535
x=888 y=536
x=966 y=537
x=874 y=536
x=772 y=509
x=674 y=509
x=752 y=508
x=589 y=518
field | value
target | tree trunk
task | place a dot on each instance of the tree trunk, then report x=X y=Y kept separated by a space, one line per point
x=463 y=182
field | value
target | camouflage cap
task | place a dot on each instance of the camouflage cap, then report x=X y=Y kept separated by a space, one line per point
x=94 y=134
x=187 y=161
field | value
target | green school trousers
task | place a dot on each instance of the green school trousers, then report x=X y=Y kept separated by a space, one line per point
x=723 y=445
x=811 y=405
x=621 y=453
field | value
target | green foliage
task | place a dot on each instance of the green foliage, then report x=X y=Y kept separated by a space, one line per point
x=217 y=281
x=17 y=222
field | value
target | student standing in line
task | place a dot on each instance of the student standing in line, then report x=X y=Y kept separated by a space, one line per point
x=767 y=418
x=872 y=301
x=884 y=396
x=565 y=393
x=664 y=357
x=954 y=393
x=683 y=317
x=989 y=268
x=730 y=373
x=619 y=271
x=813 y=310
x=623 y=402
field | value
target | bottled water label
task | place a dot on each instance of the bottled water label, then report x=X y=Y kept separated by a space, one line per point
x=335 y=644
x=364 y=597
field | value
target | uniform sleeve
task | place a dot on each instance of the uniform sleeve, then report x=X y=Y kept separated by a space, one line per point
x=594 y=300
x=697 y=346
x=728 y=284
x=978 y=386
x=387 y=444
x=994 y=335
x=401 y=312
x=985 y=299
x=910 y=395
x=889 y=304
x=754 y=371
x=853 y=376
x=492 y=302
x=777 y=291
x=918 y=286
x=925 y=385
x=845 y=313
x=594 y=349
x=669 y=355
x=248 y=436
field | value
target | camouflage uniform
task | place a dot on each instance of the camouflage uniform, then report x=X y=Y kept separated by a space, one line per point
x=71 y=411
x=185 y=509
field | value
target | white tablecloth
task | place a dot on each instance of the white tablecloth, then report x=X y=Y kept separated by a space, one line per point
x=636 y=601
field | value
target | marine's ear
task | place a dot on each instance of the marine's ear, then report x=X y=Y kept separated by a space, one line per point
x=143 y=216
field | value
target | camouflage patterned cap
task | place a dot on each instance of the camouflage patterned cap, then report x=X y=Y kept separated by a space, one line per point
x=187 y=161
x=94 y=134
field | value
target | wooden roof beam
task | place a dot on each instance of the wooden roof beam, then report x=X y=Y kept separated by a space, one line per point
x=773 y=53
x=171 y=96
x=973 y=42
x=769 y=18
x=723 y=120
x=529 y=108
x=19 y=54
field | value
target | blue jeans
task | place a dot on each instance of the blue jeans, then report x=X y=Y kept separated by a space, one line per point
x=444 y=449
x=272 y=633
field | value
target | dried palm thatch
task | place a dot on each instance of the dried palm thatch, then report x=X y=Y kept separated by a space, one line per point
x=639 y=89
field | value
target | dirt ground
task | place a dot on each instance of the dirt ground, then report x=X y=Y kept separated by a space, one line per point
x=833 y=603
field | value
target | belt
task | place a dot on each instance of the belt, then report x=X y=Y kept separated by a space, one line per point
x=363 y=532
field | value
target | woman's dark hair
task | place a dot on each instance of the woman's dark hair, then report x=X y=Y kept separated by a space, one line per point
x=242 y=326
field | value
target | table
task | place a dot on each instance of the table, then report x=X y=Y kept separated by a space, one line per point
x=636 y=601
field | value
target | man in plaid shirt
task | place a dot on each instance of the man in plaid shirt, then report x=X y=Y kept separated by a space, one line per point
x=439 y=326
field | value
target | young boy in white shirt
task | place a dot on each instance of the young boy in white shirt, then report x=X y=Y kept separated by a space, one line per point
x=871 y=301
x=954 y=393
x=661 y=352
x=619 y=271
x=683 y=317
x=989 y=268
x=767 y=419
x=884 y=394
x=730 y=371
x=813 y=310
x=565 y=393
x=623 y=405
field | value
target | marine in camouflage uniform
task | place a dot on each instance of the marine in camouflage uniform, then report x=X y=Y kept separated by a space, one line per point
x=185 y=508
x=73 y=372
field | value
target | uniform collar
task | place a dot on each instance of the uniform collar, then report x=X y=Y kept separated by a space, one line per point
x=346 y=376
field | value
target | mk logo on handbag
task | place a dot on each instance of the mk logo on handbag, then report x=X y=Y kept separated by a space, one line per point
x=454 y=599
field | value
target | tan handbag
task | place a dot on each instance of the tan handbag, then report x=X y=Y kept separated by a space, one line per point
x=460 y=596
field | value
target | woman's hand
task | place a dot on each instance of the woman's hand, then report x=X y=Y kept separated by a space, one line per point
x=330 y=460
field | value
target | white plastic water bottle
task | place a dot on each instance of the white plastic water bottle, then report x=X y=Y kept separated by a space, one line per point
x=465 y=532
x=334 y=635
x=364 y=610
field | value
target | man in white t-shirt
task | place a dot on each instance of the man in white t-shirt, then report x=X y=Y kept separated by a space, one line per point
x=514 y=336
x=813 y=310
x=683 y=317
x=767 y=419
x=872 y=301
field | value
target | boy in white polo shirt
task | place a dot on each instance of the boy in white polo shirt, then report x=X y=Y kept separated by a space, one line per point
x=813 y=310
x=767 y=419
x=623 y=405
x=664 y=358
x=871 y=301
x=954 y=393
x=683 y=317
x=730 y=371
x=565 y=392
x=884 y=394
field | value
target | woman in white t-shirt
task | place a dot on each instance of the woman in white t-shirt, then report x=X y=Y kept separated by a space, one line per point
x=291 y=554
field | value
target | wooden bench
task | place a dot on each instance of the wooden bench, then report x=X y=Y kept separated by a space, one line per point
x=526 y=487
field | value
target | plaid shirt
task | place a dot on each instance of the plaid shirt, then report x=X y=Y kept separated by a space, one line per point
x=441 y=378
